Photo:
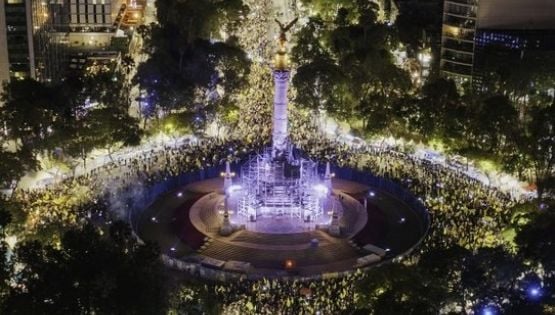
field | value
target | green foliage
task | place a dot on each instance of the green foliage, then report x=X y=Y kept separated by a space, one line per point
x=6 y=265
x=201 y=18
x=14 y=165
x=187 y=67
x=30 y=110
x=535 y=239
x=533 y=146
x=494 y=122
x=399 y=289
x=88 y=273
x=346 y=67
x=349 y=10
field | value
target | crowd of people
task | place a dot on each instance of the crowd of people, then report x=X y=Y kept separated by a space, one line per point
x=253 y=34
x=270 y=296
x=64 y=203
x=464 y=211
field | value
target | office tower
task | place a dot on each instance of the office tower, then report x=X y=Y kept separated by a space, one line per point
x=471 y=25
x=17 y=59
x=457 y=40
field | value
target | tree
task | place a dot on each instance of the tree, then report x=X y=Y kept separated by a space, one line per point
x=535 y=239
x=88 y=273
x=190 y=64
x=6 y=266
x=536 y=142
x=29 y=112
x=399 y=289
x=490 y=273
x=97 y=114
x=328 y=9
x=14 y=166
x=494 y=123
x=345 y=65
x=112 y=128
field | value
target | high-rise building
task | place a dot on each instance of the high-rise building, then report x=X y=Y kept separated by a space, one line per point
x=84 y=15
x=25 y=50
x=468 y=26
x=510 y=46
x=457 y=40
x=35 y=35
x=16 y=40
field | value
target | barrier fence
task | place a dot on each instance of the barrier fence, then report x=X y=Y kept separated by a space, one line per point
x=139 y=199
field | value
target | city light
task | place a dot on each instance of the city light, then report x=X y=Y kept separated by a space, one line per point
x=534 y=292
x=115 y=126
x=489 y=310
x=321 y=189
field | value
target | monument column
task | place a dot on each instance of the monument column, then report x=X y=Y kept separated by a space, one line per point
x=281 y=73
x=279 y=120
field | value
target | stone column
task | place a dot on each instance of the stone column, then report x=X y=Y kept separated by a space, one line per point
x=279 y=133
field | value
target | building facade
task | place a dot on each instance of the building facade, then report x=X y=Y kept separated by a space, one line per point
x=471 y=25
x=17 y=59
x=457 y=40
x=36 y=36
x=511 y=46
x=84 y=15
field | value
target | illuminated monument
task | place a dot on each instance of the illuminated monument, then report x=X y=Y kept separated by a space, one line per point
x=280 y=191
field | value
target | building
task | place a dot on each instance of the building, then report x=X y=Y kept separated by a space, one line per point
x=467 y=25
x=38 y=36
x=17 y=59
x=84 y=15
x=25 y=50
x=511 y=46
x=457 y=39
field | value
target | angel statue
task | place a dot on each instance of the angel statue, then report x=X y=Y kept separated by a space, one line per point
x=285 y=28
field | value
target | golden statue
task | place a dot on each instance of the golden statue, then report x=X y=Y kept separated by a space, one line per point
x=281 y=60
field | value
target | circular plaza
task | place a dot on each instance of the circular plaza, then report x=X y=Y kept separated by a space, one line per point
x=374 y=225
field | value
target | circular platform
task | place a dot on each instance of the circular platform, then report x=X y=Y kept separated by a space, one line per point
x=185 y=224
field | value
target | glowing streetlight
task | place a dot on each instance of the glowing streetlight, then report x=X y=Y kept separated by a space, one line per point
x=534 y=292
x=228 y=177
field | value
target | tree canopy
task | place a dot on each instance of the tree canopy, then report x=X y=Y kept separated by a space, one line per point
x=88 y=274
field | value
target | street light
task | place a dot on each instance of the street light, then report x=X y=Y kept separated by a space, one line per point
x=489 y=310
x=534 y=292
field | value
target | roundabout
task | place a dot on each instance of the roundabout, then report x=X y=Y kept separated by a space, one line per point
x=179 y=179
x=283 y=216
x=185 y=223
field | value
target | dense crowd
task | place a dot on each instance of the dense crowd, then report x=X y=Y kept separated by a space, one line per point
x=65 y=203
x=464 y=210
x=255 y=106
x=327 y=296
x=253 y=35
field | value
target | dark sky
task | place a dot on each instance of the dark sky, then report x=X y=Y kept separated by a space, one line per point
x=509 y=14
